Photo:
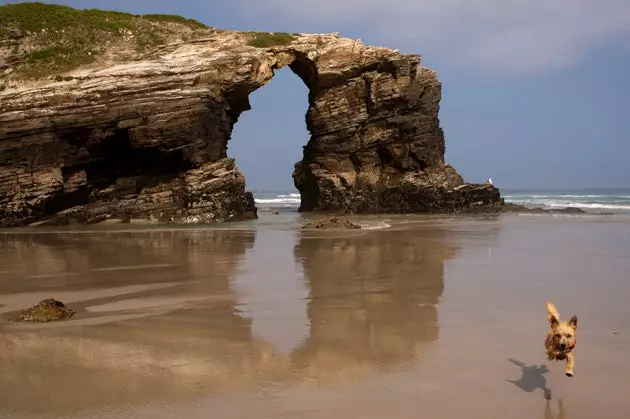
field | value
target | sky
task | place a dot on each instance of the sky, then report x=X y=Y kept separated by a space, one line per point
x=535 y=92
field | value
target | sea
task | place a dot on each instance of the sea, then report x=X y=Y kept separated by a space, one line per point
x=599 y=202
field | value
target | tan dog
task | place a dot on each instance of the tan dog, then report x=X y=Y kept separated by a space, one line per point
x=560 y=341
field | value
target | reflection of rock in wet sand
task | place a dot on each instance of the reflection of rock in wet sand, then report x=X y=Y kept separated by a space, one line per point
x=371 y=307
x=153 y=358
x=105 y=259
x=372 y=299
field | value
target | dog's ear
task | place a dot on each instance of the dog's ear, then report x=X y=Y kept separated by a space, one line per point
x=552 y=314
x=573 y=321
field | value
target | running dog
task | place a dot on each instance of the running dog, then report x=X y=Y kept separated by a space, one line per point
x=560 y=341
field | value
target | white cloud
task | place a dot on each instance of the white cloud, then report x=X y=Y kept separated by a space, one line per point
x=498 y=36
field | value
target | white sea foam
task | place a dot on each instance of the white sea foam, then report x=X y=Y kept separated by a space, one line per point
x=577 y=204
x=565 y=196
x=288 y=201
x=379 y=225
x=593 y=202
x=591 y=206
x=282 y=199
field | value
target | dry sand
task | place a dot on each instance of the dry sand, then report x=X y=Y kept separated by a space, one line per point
x=433 y=317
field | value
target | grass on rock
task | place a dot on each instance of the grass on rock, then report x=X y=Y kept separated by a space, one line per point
x=34 y=17
x=270 y=39
x=53 y=39
x=48 y=40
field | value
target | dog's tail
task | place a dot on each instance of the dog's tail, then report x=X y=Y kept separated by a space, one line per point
x=552 y=311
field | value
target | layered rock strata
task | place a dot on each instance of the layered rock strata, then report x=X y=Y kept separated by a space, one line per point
x=147 y=138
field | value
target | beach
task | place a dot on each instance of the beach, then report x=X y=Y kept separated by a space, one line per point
x=411 y=316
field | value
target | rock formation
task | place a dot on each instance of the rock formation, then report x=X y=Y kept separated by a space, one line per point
x=48 y=310
x=144 y=135
x=333 y=223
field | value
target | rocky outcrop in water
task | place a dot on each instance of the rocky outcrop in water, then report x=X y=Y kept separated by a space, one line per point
x=145 y=136
x=48 y=310
x=332 y=223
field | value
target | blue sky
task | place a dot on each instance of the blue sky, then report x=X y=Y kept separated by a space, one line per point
x=535 y=92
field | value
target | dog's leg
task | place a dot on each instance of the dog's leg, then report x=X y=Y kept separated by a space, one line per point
x=570 y=364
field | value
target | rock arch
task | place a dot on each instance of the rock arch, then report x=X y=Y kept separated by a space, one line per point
x=148 y=139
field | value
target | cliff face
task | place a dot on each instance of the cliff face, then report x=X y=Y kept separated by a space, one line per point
x=146 y=137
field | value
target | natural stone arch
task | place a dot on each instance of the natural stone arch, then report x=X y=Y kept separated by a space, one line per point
x=375 y=140
x=375 y=144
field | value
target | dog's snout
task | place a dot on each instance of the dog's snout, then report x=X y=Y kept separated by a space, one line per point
x=563 y=345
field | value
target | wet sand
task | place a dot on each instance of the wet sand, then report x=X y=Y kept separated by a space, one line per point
x=432 y=317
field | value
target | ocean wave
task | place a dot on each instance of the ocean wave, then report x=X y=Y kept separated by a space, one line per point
x=593 y=201
x=623 y=205
x=590 y=205
x=278 y=201
x=620 y=198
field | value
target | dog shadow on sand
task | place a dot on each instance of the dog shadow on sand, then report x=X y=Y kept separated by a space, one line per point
x=532 y=378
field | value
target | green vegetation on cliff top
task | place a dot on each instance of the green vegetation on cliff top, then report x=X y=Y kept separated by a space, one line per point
x=37 y=16
x=266 y=39
x=47 y=39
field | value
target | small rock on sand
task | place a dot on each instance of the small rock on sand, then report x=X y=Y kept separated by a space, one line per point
x=45 y=311
x=332 y=223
